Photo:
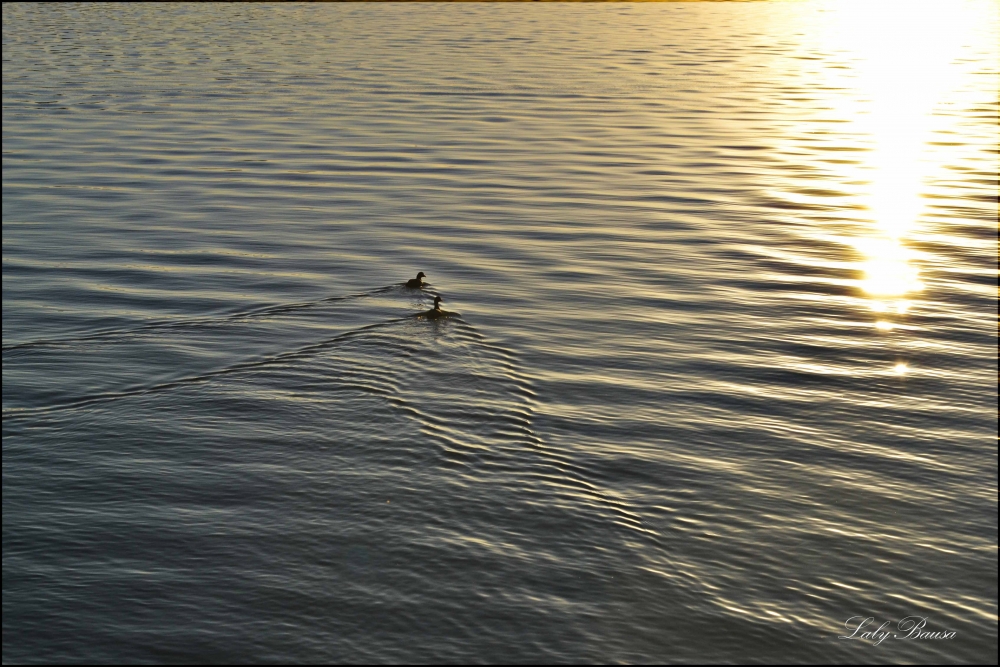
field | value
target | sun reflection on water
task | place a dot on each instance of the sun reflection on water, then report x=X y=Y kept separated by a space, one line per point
x=902 y=53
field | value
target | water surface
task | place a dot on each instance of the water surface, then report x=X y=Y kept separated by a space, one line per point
x=721 y=372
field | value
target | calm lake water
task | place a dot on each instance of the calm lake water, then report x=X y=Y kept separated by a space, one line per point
x=720 y=374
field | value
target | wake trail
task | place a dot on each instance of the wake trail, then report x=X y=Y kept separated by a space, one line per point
x=283 y=357
x=460 y=441
x=510 y=424
x=259 y=312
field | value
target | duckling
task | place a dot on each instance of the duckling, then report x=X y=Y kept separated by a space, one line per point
x=416 y=283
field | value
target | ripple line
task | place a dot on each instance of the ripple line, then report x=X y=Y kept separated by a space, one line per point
x=300 y=353
x=202 y=321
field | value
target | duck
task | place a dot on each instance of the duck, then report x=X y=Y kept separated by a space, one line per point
x=436 y=311
x=416 y=283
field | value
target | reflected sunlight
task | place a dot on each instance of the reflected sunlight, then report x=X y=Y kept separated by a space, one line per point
x=903 y=52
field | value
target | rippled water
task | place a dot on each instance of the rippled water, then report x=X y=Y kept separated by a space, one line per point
x=720 y=374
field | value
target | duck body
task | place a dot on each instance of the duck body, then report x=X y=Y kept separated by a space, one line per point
x=416 y=283
x=435 y=312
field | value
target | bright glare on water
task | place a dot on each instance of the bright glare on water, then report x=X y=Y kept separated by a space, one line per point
x=718 y=371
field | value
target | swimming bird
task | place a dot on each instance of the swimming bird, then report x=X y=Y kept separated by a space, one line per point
x=416 y=283
x=436 y=311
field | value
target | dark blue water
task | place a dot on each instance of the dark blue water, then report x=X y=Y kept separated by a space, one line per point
x=719 y=372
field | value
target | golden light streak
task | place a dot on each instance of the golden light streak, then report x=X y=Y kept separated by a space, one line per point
x=902 y=52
